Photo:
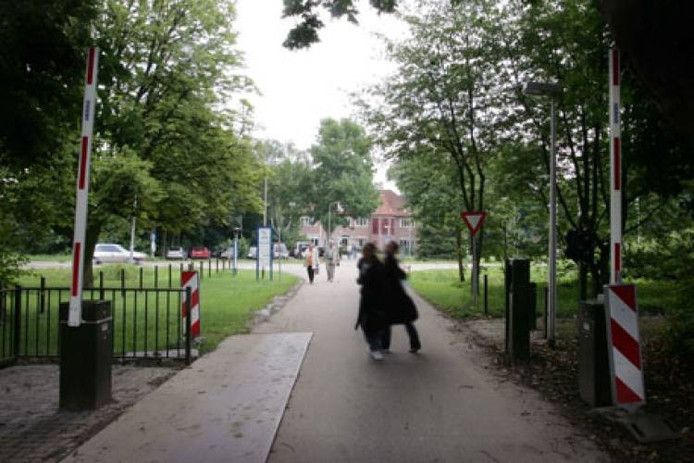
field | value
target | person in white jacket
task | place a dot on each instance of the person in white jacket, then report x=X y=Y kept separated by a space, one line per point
x=311 y=262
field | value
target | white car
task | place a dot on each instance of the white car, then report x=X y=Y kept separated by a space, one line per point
x=115 y=253
x=280 y=251
x=176 y=253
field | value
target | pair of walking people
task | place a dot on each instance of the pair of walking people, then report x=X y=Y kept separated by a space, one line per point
x=331 y=257
x=384 y=301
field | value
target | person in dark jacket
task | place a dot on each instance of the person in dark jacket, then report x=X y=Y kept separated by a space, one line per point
x=371 y=309
x=400 y=308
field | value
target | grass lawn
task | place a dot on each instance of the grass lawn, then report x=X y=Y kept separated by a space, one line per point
x=146 y=320
x=443 y=289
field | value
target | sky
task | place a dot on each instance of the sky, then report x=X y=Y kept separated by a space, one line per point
x=299 y=88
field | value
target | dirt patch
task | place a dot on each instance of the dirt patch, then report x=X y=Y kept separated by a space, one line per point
x=554 y=372
x=32 y=428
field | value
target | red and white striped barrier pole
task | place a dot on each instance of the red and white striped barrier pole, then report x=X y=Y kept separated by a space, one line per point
x=190 y=280
x=615 y=171
x=623 y=345
x=88 y=108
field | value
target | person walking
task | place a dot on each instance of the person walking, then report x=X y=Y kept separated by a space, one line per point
x=311 y=262
x=400 y=308
x=332 y=258
x=371 y=310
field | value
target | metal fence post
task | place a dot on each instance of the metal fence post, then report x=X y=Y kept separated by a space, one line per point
x=122 y=281
x=216 y=263
x=156 y=276
x=101 y=285
x=17 y=322
x=202 y=269
x=142 y=275
x=544 y=317
x=209 y=268
x=188 y=323
x=486 y=296
x=42 y=297
x=169 y=275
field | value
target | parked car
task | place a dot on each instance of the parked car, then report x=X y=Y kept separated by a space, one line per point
x=280 y=251
x=200 y=252
x=176 y=253
x=115 y=253
x=253 y=252
x=227 y=253
x=299 y=249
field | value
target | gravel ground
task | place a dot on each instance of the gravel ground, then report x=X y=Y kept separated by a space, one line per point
x=553 y=372
x=33 y=429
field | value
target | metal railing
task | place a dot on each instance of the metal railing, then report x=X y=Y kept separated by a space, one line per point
x=146 y=322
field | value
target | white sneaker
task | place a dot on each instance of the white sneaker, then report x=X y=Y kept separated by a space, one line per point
x=376 y=355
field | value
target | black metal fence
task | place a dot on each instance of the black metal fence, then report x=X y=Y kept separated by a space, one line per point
x=147 y=323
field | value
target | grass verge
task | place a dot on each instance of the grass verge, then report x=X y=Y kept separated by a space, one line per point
x=443 y=289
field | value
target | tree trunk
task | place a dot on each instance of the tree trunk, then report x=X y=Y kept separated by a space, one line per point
x=582 y=281
x=459 y=255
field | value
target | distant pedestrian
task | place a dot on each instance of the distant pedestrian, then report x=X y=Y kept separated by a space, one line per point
x=332 y=259
x=400 y=308
x=311 y=262
x=371 y=310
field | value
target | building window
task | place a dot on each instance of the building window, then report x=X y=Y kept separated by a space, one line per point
x=406 y=223
x=360 y=222
x=306 y=221
x=374 y=226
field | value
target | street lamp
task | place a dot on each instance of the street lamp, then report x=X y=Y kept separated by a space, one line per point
x=339 y=210
x=551 y=90
x=237 y=230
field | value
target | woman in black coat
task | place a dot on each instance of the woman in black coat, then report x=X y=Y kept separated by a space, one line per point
x=372 y=318
x=400 y=308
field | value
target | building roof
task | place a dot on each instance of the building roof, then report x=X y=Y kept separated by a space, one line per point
x=391 y=204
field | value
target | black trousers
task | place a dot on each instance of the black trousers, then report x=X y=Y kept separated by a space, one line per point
x=309 y=269
x=411 y=332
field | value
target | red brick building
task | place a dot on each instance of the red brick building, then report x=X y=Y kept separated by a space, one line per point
x=390 y=221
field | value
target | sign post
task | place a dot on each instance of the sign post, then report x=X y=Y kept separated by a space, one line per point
x=264 y=254
x=616 y=172
x=80 y=227
x=190 y=279
x=474 y=220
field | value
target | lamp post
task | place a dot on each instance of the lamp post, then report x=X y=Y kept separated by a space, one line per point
x=551 y=90
x=338 y=210
x=235 y=254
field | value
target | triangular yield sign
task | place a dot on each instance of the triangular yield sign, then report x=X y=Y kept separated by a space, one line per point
x=473 y=220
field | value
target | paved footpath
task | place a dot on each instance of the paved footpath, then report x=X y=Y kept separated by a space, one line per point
x=438 y=406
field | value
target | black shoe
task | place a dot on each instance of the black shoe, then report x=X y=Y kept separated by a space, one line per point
x=414 y=350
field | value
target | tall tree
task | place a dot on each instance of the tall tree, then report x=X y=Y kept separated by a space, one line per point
x=343 y=172
x=443 y=101
x=166 y=70
x=41 y=72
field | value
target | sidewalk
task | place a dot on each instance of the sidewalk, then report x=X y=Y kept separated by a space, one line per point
x=225 y=407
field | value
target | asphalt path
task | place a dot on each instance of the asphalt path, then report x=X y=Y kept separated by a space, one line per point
x=440 y=405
